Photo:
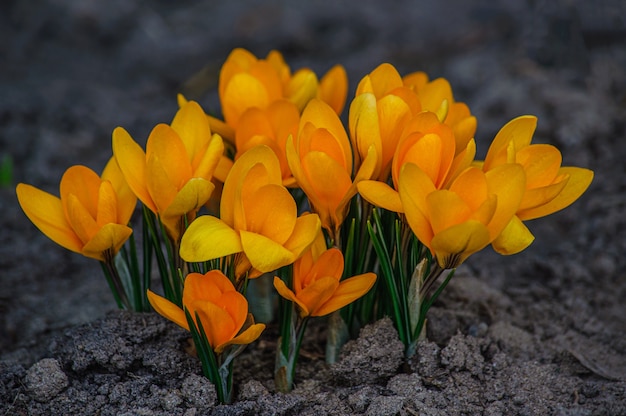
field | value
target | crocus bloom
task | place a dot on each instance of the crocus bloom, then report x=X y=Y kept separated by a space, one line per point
x=436 y=96
x=173 y=176
x=378 y=113
x=271 y=127
x=429 y=144
x=222 y=310
x=90 y=217
x=456 y=222
x=258 y=217
x=317 y=289
x=246 y=82
x=549 y=187
x=321 y=162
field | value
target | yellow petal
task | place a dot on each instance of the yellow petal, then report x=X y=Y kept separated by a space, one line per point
x=534 y=198
x=348 y=291
x=514 y=238
x=131 y=160
x=218 y=325
x=271 y=211
x=364 y=127
x=192 y=126
x=208 y=238
x=434 y=93
x=508 y=183
x=205 y=165
x=190 y=198
x=380 y=194
x=520 y=131
x=305 y=232
x=383 y=78
x=455 y=244
x=168 y=310
x=445 y=209
x=302 y=87
x=109 y=237
x=46 y=212
x=264 y=254
x=286 y=293
x=84 y=184
x=126 y=199
x=329 y=264
x=242 y=92
x=107 y=205
x=541 y=163
x=80 y=219
x=578 y=182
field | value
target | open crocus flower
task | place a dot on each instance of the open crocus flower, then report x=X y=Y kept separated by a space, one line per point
x=378 y=113
x=436 y=96
x=173 y=176
x=90 y=217
x=222 y=310
x=317 y=289
x=430 y=145
x=549 y=187
x=271 y=127
x=258 y=217
x=456 y=222
x=246 y=82
x=321 y=162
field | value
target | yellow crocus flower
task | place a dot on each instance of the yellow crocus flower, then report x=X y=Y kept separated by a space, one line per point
x=247 y=81
x=90 y=217
x=429 y=144
x=222 y=310
x=258 y=218
x=173 y=176
x=456 y=222
x=321 y=162
x=549 y=186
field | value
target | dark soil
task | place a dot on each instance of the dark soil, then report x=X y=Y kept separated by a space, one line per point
x=542 y=332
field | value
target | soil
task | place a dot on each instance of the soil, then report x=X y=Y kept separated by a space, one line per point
x=542 y=332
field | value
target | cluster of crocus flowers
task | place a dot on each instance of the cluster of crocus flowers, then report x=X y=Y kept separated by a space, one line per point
x=397 y=192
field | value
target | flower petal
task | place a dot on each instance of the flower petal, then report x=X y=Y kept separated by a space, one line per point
x=168 y=310
x=520 y=131
x=347 y=292
x=208 y=238
x=46 y=212
x=248 y=336
x=455 y=244
x=304 y=234
x=286 y=293
x=333 y=88
x=192 y=126
x=109 y=237
x=318 y=293
x=265 y=254
x=514 y=238
x=380 y=194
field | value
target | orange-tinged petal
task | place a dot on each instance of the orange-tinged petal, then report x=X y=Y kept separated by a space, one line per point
x=286 y=293
x=80 y=218
x=541 y=164
x=514 y=238
x=242 y=92
x=209 y=238
x=265 y=254
x=432 y=94
x=380 y=194
x=539 y=196
x=414 y=186
x=126 y=199
x=578 y=182
x=318 y=293
x=333 y=88
x=471 y=186
x=168 y=310
x=347 y=292
x=455 y=244
x=192 y=126
x=329 y=264
x=328 y=179
x=393 y=112
x=364 y=126
x=218 y=325
x=109 y=237
x=84 y=184
x=445 y=209
x=520 y=131
x=131 y=160
x=383 y=79
x=166 y=144
x=271 y=212
x=160 y=185
x=245 y=337
x=46 y=212
x=107 y=205
x=304 y=234
x=426 y=152
x=415 y=80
